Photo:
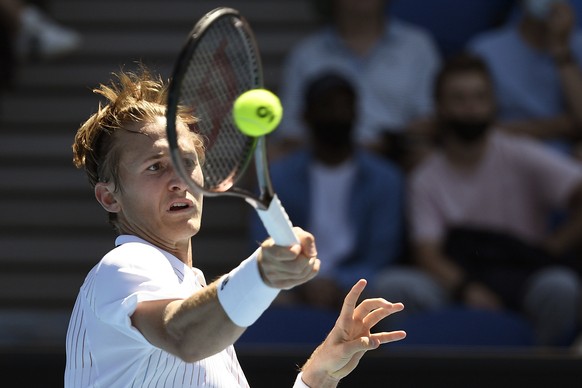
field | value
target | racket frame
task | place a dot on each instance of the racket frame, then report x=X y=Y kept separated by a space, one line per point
x=258 y=149
x=267 y=204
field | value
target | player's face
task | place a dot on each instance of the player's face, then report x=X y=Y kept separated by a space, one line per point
x=155 y=203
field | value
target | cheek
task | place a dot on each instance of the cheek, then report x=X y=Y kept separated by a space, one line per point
x=138 y=199
x=198 y=176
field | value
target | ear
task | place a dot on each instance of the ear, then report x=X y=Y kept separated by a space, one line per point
x=105 y=195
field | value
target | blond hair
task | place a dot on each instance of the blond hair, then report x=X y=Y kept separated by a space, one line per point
x=131 y=98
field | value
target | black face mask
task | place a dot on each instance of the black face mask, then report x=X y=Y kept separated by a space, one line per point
x=332 y=133
x=468 y=131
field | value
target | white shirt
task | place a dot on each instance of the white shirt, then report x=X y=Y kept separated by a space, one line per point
x=104 y=349
x=331 y=190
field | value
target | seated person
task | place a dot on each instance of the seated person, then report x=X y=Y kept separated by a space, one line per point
x=478 y=210
x=351 y=199
x=391 y=64
x=535 y=64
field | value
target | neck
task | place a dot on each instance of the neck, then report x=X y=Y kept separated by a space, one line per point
x=182 y=249
x=533 y=32
x=463 y=154
x=333 y=157
x=360 y=32
x=184 y=253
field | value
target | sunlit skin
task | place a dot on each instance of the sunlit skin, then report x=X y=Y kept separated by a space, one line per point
x=153 y=202
x=139 y=185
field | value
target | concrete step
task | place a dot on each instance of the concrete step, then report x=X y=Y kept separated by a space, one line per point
x=179 y=12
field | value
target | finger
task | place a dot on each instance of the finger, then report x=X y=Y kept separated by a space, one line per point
x=351 y=300
x=376 y=303
x=379 y=314
x=373 y=341
x=307 y=242
x=286 y=279
x=311 y=268
x=369 y=305
x=385 y=337
x=298 y=268
x=272 y=252
x=365 y=343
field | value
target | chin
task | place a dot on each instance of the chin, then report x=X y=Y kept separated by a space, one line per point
x=194 y=227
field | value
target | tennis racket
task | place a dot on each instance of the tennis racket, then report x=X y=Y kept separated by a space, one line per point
x=220 y=61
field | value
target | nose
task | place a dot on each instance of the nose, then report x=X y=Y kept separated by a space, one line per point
x=176 y=183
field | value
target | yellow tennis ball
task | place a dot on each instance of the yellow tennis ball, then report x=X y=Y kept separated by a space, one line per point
x=257 y=112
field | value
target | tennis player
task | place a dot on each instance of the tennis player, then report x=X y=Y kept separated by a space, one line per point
x=145 y=316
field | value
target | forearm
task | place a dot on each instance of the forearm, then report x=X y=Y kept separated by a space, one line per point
x=543 y=128
x=199 y=325
x=214 y=317
x=429 y=257
x=571 y=80
x=567 y=236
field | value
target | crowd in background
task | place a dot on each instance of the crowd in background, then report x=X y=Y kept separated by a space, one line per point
x=433 y=147
x=439 y=156
x=28 y=33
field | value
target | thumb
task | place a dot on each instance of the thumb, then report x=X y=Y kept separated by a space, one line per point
x=361 y=345
x=308 y=246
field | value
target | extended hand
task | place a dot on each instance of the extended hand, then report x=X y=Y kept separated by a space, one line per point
x=350 y=338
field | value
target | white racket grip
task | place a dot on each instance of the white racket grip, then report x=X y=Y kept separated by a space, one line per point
x=277 y=223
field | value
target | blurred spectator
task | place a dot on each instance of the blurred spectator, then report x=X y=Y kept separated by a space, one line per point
x=478 y=216
x=452 y=22
x=391 y=63
x=350 y=198
x=535 y=63
x=27 y=33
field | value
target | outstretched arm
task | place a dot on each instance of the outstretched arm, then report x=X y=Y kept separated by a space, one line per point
x=561 y=24
x=206 y=323
x=349 y=339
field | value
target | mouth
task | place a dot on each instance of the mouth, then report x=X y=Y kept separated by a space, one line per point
x=180 y=206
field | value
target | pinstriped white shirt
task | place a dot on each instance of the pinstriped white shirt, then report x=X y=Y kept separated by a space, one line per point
x=104 y=350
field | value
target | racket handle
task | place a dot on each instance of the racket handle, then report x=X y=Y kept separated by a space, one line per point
x=277 y=223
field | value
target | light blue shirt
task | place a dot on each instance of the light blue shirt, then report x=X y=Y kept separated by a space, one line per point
x=394 y=81
x=526 y=80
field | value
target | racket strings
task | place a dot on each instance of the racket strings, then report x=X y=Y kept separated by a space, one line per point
x=222 y=68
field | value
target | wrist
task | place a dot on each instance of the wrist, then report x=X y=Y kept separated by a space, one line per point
x=299 y=383
x=314 y=375
x=320 y=380
x=243 y=294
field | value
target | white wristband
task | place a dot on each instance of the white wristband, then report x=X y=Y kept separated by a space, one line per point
x=243 y=294
x=299 y=382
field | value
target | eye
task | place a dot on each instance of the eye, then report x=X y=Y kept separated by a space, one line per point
x=189 y=163
x=155 y=167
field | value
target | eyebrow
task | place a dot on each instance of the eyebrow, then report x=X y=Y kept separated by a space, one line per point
x=149 y=158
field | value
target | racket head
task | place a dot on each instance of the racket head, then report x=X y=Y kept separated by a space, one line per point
x=219 y=61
